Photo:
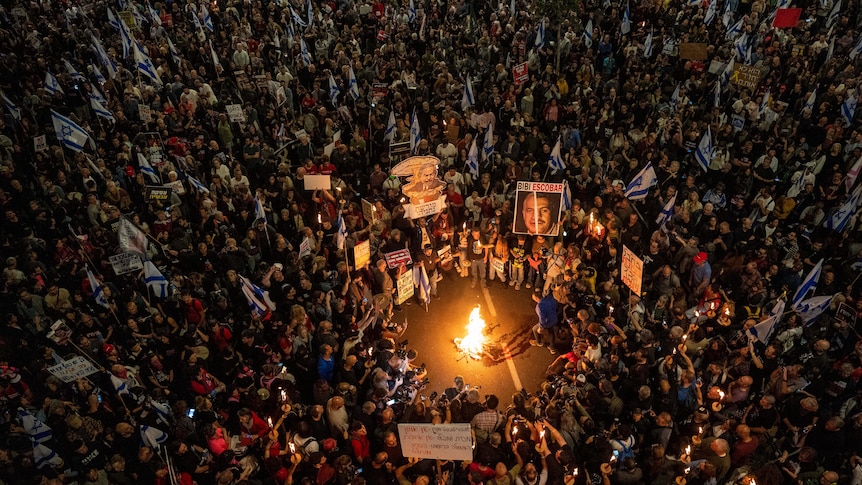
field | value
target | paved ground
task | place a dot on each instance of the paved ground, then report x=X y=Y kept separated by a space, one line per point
x=509 y=316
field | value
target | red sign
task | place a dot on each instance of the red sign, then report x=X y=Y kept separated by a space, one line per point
x=379 y=91
x=520 y=74
x=786 y=17
x=396 y=258
x=382 y=35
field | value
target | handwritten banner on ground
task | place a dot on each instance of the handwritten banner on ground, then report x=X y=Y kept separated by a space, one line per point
x=746 y=76
x=436 y=441
x=397 y=258
x=405 y=287
x=73 y=369
x=126 y=263
x=361 y=254
x=632 y=270
x=317 y=182
x=520 y=74
x=695 y=51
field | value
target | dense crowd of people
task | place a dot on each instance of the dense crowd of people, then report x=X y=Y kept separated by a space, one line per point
x=266 y=356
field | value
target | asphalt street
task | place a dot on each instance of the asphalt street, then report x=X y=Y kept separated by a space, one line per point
x=508 y=314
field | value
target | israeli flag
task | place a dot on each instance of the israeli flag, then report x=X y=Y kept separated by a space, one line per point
x=674 y=99
x=97 y=95
x=420 y=281
x=145 y=65
x=734 y=30
x=808 y=284
x=411 y=11
x=69 y=134
x=106 y=60
x=839 y=219
x=857 y=49
x=640 y=185
x=113 y=20
x=155 y=280
x=473 y=160
x=741 y=44
x=764 y=329
x=415 y=133
x=333 y=91
x=727 y=15
x=812 y=98
x=259 y=212
x=711 y=13
x=208 y=21
x=152 y=437
x=648 y=45
x=98 y=289
x=467 y=100
x=297 y=18
x=310 y=13
x=567 y=195
x=666 y=213
x=341 y=236
x=97 y=74
x=717 y=94
x=556 y=161
x=101 y=111
x=389 y=135
x=42 y=456
x=306 y=56
x=197 y=21
x=126 y=37
x=812 y=308
x=154 y=15
x=12 y=108
x=588 y=34
x=213 y=54
x=833 y=15
x=175 y=55
x=353 y=86
x=488 y=145
x=626 y=25
x=38 y=431
x=764 y=103
x=147 y=169
x=848 y=108
x=51 y=84
x=256 y=306
x=705 y=150
x=728 y=71
x=163 y=411
x=198 y=185
x=540 y=35
x=73 y=72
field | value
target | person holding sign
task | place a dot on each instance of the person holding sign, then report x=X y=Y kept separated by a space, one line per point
x=538 y=211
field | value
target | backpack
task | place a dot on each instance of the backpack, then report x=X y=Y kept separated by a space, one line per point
x=627 y=451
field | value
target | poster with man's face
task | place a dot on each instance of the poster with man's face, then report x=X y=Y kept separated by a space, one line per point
x=538 y=208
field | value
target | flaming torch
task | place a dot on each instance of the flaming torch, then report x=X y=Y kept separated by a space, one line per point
x=473 y=344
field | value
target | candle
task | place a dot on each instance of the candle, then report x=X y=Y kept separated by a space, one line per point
x=575 y=472
x=721 y=395
x=684 y=338
x=687 y=470
x=541 y=435
x=727 y=311
x=514 y=431
x=465 y=227
x=283 y=396
x=700 y=430
x=319 y=219
x=292 y=448
x=752 y=481
x=688 y=450
x=269 y=420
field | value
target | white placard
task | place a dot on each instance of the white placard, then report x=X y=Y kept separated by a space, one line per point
x=317 y=182
x=234 y=112
x=415 y=211
x=632 y=270
x=304 y=248
x=126 y=263
x=436 y=441
x=73 y=369
x=40 y=144
x=145 y=113
x=405 y=287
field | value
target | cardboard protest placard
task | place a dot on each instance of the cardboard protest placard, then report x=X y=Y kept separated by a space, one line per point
x=692 y=50
x=317 y=182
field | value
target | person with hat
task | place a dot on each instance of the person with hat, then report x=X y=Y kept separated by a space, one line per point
x=700 y=275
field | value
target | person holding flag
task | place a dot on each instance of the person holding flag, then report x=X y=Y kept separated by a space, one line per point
x=639 y=187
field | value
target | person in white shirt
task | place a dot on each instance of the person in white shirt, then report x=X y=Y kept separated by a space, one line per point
x=446 y=152
x=454 y=177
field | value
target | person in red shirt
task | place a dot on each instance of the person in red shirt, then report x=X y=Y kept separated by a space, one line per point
x=252 y=427
x=194 y=309
x=326 y=166
x=359 y=442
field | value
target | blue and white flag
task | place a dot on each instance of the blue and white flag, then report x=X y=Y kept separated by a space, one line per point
x=812 y=308
x=415 y=133
x=473 y=160
x=833 y=15
x=705 y=150
x=741 y=45
x=640 y=185
x=808 y=284
x=540 y=35
x=255 y=304
x=162 y=411
x=764 y=103
x=711 y=13
x=857 y=49
x=420 y=281
x=145 y=65
x=297 y=18
x=73 y=72
x=154 y=15
x=648 y=45
x=812 y=98
x=727 y=15
x=97 y=74
x=43 y=456
x=674 y=99
x=69 y=134
x=411 y=11
x=488 y=144
x=126 y=37
x=567 y=195
x=734 y=30
x=717 y=94
x=555 y=162
x=764 y=329
x=97 y=95
x=626 y=25
x=198 y=185
x=100 y=110
x=113 y=20
x=341 y=235
x=197 y=21
x=467 y=100
x=727 y=74
x=175 y=55
x=389 y=135
x=148 y=170
x=103 y=56
x=214 y=56
x=152 y=437
x=12 y=108
x=839 y=219
x=352 y=84
x=310 y=9
x=259 y=212
x=155 y=280
x=666 y=213
x=848 y=108
x=97 y=288
x=333 y=90
x=303 y=49
x=51 y=84
x=588 y=34
x=38 y=431
x=207 y=19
